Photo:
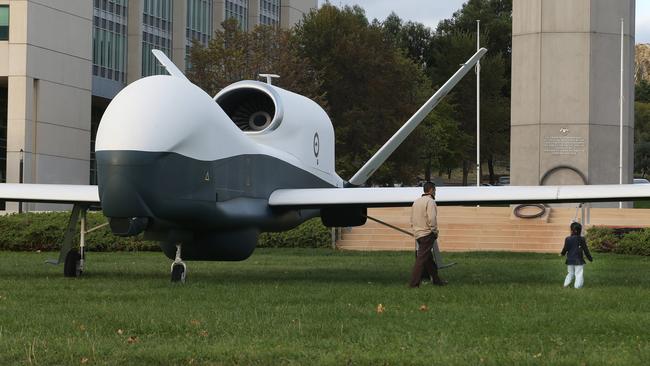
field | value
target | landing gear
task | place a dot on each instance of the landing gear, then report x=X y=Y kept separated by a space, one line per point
x=72 y=266
x=73 y=260
x=179 y=269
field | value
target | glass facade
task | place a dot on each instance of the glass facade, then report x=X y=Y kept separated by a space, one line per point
x=199 y=21
x=156 y=34
x=238 y=9
x=4 y=22
x=199 y=25
x=270 y=12
x=95 y=117
x=109 y=39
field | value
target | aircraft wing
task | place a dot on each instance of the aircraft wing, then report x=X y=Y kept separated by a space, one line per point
x=49 y=193
x=386 y=197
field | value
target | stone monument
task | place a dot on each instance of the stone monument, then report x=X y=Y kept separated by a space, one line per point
x=565 y=92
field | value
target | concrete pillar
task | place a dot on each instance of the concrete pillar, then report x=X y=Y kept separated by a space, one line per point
x=179 y=39
x=292 y=11
x=565 y=92
x=253 y=13
x=134 y=35
x=49 y=94
x=20 y=124
x=218 y=14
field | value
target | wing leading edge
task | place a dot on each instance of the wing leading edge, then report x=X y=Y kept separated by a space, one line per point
x=387 y=197
x=49 y=193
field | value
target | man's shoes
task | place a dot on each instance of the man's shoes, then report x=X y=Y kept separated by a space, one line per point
x=439 y=283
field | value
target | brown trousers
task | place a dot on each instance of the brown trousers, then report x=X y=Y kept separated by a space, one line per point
x=424 y=261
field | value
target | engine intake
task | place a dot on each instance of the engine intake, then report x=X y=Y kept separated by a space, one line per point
x=251 y=109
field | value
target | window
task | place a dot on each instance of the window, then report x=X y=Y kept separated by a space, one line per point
x=4 y=22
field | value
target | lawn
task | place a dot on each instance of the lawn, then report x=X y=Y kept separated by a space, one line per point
x=312 y=307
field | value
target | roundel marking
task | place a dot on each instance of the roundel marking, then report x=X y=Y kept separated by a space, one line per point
x=316 y=144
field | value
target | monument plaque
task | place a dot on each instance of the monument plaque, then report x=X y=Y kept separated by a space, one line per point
x=564 y=145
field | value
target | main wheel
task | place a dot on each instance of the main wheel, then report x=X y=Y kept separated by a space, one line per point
x=72 y=265
x=178 y=272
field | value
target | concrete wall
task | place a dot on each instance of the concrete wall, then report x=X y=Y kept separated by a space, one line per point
x=292 y=11
x=565 y=91
x=48 y=67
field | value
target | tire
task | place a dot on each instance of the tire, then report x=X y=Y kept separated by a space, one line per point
x=71 y=265
x=178 y=273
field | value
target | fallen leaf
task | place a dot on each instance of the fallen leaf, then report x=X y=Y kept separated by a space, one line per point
x=132 y=340
x=203 y=333
x=84 y=360
x=380 y=309
x=120 y=331
x=424 y=307
x=82 y=327
x=195 y=322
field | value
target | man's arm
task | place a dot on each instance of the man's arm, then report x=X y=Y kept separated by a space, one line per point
x=432 y=213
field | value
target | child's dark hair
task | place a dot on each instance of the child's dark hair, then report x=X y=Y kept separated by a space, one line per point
x=576 y=228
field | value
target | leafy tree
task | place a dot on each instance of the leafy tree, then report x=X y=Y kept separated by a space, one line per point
x=642 y=137
x=233 y=55
x=453 y=42
x=642 y=91
x=370 y=86
x=413 y=38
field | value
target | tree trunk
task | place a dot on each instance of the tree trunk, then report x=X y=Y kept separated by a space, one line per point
x=490 y=162
x=427 y=170
x=448 y=173
x=465 y=171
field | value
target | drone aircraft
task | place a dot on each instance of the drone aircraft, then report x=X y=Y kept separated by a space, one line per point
x=204 y=176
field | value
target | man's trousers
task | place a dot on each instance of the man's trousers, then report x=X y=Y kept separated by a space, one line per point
x=424 y=262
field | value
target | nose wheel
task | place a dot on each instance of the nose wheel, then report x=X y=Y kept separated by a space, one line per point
x=179 y=269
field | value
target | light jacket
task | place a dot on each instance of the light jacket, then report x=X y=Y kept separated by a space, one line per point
x=423 y=216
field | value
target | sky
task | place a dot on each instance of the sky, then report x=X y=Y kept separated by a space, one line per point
x=430 y=12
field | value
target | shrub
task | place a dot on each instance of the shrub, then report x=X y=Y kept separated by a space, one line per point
x=637 y=243
x=311 y=234
x=44 y=231
x=601 y=239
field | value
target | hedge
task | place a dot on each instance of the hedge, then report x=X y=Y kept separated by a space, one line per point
x=604 y=239
x=44 y=231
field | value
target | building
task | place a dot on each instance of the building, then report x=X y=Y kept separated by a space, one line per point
x=61 y=62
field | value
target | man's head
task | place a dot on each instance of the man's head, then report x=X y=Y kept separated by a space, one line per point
x=429 y=188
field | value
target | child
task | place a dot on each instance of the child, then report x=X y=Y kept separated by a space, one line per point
x=574 y=246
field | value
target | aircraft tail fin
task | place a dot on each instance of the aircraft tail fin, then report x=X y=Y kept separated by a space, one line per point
x=168 y=64
x=393 y=143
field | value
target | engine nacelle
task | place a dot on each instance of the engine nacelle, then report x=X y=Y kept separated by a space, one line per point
x=344 y=216
x=215 y=246
x=280 y=119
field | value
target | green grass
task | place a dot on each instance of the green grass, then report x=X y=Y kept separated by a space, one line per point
x=312 y=307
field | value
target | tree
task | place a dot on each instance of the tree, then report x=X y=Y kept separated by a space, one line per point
x=453 y=42
x=642 y=91
x=234 y=55
x=370 y=86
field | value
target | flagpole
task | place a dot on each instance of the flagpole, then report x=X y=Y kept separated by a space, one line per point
x=620 y=157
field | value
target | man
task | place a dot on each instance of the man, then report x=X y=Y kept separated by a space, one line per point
x=425 y=230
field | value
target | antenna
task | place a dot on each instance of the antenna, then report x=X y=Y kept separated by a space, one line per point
x=269 y=78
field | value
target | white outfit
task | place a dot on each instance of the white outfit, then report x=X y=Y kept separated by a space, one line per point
x=574 y=271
